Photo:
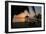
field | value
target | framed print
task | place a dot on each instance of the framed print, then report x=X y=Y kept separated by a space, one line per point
x=24 y=16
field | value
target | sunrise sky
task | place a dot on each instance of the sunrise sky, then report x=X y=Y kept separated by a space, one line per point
x=21 y=17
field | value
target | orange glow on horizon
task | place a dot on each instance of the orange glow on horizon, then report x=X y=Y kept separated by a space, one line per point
x=21 y=17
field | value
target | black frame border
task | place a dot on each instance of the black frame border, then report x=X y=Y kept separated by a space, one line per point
x=6 y=16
